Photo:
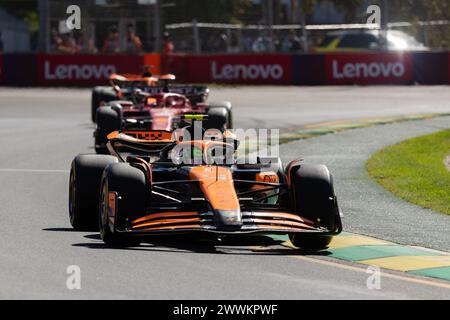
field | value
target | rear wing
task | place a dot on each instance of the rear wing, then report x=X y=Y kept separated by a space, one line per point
x=143 y=143
x=139 y=136
x=195 y=93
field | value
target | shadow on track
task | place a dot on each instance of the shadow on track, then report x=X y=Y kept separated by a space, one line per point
x=61 y=230
x=245 y=245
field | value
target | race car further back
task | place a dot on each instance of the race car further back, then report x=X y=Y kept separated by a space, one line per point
x=158 y=111
x=122 y=87
x=151 y=187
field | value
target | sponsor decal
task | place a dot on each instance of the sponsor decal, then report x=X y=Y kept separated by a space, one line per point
x=246 y=72
x=368 y=68
x=84 y=69
x=251 y=69
x=77 y=72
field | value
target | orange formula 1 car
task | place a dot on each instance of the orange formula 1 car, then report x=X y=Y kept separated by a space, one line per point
x=158 y=185
x=122 y=86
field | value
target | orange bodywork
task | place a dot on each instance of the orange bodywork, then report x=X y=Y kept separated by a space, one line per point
x=142 y=136
x=150 y=135
x=270 y=177
x=217 y=186
x=150 y=81
x=155 y=216
x=112 y=207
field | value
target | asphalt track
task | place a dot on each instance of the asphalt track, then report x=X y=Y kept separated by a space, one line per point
x=42 y=130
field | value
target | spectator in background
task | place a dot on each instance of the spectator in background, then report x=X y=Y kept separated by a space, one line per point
x=1 y=43
x=261 y=44
x=111 y=45
x=55 y=40
x=168 y=47
x=79 y=40
x=234 y=44
x=292 y=43
x=246 y=44
x=133 y=43
x=67 y=45
x=85 y=46
x=222 y=44
x=90 y=47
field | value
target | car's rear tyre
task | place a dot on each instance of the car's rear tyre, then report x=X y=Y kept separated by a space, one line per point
x=227 y=105
x=129 y=184
x=313 y=195
x=99 y=95
x=109 y=119
x=84 y=189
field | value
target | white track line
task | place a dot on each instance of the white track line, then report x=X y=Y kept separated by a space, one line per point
x=406 y=277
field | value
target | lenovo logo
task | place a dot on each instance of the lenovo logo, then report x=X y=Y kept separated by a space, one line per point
x=246 y=72
x=77 y=72
x=368 y=70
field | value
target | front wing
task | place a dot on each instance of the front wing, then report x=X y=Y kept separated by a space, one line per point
x=253 y=222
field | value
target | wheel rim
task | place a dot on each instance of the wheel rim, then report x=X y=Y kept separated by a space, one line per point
x=104 y=210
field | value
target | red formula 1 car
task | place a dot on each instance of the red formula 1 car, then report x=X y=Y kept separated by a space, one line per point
x=164 y=186
x=158 y=111
x=122 y=87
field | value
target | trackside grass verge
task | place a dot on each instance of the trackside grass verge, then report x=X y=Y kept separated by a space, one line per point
x=415 y=170
x=324 y=128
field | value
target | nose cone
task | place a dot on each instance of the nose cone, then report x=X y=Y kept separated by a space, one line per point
x=228 y=220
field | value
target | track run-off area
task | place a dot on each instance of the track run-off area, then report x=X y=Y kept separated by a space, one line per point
x=43 y=129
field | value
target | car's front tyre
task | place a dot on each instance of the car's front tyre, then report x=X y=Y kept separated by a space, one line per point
x=313 y=197
x=129 y=184
x=84 y=189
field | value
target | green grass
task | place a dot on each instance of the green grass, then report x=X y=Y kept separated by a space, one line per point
x=415 y=171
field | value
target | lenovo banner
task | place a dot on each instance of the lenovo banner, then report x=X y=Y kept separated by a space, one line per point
x=240 y=69
x=80 y=70
x=372 y=68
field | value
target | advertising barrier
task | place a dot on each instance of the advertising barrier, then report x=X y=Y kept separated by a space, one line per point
x=368 y=68
x=19 y=69
x=429 y=68
x=84 y=70
x=1 y=69
x=153 y=60
x=308 y=69
x=240 y=69
x=448 y=67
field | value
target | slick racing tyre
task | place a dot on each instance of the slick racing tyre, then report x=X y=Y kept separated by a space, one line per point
x=129 y=184
x=99 y=95
x=217 y=119
x=109 y=119
x=313 y=195
x=227 y=105
x=84 y=189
